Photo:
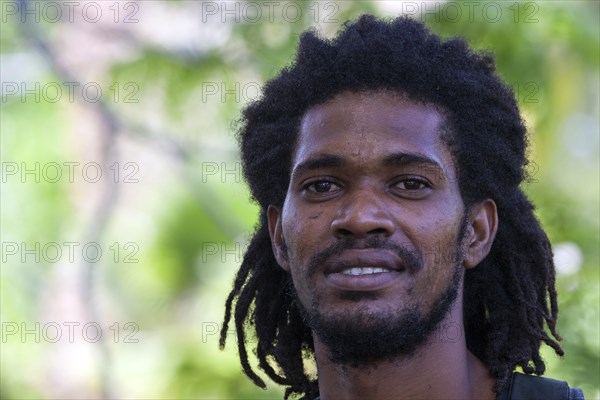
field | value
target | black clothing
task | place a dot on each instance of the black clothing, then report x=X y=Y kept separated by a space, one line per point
x=530 y=387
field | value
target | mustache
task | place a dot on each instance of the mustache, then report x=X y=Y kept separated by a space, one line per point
x=411 y=259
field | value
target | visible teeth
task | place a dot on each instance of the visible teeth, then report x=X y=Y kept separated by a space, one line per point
x=363 y=271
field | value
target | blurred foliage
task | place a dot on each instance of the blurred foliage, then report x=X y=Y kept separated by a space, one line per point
x=189 y=215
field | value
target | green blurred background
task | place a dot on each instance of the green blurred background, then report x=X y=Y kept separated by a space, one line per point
x=112 y=285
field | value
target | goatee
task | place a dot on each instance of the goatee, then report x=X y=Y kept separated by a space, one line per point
x=365 y=337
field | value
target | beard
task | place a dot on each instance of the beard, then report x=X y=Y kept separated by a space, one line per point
x=363 y=337
x=360 y=338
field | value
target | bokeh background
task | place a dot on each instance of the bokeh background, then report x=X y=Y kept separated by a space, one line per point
x=124 y=212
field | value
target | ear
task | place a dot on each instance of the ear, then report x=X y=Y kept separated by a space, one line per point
x=276 y=234
x=481 y=231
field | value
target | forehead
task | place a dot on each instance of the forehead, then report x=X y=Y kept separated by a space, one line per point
x=366 y=127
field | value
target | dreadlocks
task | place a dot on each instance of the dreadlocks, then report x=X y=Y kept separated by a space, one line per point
x=509 y=297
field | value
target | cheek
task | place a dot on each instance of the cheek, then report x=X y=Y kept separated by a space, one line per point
x=290 y=229
x=437 y=240
x=438 y=248
x=303 y=233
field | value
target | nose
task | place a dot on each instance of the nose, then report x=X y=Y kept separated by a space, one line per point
x=361 y=215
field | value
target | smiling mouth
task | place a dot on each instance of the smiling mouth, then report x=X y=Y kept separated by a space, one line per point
x=356 y=262
x=364 y=270
x=356 y=271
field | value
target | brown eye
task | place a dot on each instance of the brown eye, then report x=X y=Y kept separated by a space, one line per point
x=321 y=187
x=411 y=184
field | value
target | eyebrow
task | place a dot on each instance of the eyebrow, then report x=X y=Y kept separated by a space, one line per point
x=319 y=161
x=326 y=160
x=401 y=159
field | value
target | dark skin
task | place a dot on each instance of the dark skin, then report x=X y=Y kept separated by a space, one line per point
x=374 y=164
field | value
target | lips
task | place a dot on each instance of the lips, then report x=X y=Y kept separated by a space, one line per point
x=363 y=270
x=365 y=259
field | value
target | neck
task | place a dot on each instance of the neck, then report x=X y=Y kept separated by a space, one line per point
x=442 y=368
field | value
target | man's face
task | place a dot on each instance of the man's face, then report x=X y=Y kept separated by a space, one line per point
x=372 y=223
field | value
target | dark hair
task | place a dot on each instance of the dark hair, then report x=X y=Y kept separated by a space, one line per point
x=508 y=298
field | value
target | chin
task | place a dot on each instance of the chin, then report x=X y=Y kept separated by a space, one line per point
x=360 y=328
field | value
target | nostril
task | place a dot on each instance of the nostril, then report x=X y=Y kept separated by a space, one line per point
x=344 y=232
x=378 y=231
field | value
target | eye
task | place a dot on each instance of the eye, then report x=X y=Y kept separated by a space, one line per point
x=412 y=184
x=321 y=187
x=412 y=187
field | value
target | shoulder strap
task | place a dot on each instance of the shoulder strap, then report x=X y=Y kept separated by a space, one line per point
x=530 y=387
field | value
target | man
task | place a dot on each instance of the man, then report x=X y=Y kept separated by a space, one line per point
x=394 y=247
